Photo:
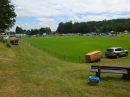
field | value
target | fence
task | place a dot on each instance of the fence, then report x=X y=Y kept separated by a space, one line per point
x=80 y=58
x=48 y=50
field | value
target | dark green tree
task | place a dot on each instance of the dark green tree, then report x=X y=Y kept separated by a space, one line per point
x=28 y=32
x=41 y=31
x=68 y=27
x=119 y=25
x=60 y=28
x=19 y=30
x=7 y=15
x=47 y=30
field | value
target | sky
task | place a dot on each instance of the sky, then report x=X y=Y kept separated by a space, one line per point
x=36 y=14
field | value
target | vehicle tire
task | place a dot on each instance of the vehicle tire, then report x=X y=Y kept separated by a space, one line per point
x=99 y=60
x=117 y=56
x=126 y=54
x=107 y=56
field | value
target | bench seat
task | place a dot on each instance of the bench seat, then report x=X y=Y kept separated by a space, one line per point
x=111 y=69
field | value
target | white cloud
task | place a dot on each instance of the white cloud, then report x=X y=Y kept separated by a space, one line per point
x=49 y=13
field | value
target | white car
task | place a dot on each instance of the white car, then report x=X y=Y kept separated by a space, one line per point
x=116 y=52
x=5 y=38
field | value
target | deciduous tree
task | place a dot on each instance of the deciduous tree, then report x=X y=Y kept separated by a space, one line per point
x=7 y=15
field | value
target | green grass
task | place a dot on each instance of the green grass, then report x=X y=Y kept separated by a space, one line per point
x=26 y=71
x=71 y=47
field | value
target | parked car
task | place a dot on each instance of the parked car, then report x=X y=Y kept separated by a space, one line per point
x=5 y=38
x=116 y=52
x=14 y=41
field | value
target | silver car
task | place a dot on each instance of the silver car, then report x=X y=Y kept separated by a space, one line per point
x=116 y=52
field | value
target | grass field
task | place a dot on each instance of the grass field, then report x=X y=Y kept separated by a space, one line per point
x=27 y=71
x=71 y=48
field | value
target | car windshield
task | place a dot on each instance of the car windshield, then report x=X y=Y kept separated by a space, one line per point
x=110 y=50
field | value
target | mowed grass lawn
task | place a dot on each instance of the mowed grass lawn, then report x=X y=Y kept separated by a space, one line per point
x=73 y=48
x=27 y=71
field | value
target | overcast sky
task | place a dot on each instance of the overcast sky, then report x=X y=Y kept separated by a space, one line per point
x=34 y=14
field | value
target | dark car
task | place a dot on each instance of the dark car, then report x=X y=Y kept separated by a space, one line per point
x=116 y=52
x=14 y=41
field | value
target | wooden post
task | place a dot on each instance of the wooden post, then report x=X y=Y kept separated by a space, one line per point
x=55 y=54
x=128 y=75
x=79 y=58
x=64 y=56
x=98 y=73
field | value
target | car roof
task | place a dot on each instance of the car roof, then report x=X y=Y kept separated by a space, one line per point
x=114 y=47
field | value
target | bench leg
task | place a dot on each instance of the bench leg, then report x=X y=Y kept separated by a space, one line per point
x=127 y=76
x=98 y=74
x=124 y=76
x=128 y=73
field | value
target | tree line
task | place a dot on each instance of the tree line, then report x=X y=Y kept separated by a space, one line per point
x=40 y=31
x=118 y=25
x=8 y=15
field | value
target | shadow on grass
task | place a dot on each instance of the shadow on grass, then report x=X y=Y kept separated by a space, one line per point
x=114 y=78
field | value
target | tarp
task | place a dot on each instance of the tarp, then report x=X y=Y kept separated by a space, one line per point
x=94 y=79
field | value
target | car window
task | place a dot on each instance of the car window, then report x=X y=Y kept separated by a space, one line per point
x=119 y=49
x=110 y=50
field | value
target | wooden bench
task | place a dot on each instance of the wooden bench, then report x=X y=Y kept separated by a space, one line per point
x=125 y=71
